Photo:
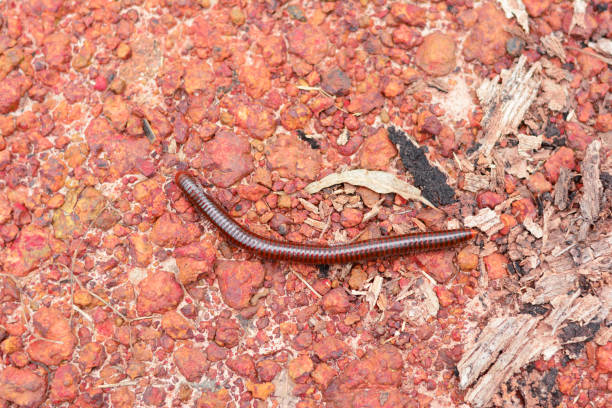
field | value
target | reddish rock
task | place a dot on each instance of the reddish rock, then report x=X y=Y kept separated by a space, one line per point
x=323 y=375
x=436 y=55
x=50 y=324
x=308 y=43
x=57 y=50
x=292 y=157
x=350 y=217
x=300 y=366
x=409 y=14
x=377 y=151
x=336 y=82
x=273 y=50
x=295 y=116
x=392 y=86
x=9 y=60
x=590 y=65
x=467 y=260
x=8 y=291
x=214 y=399
x=445 y=296
x=243 y=365
x=487 y=40
x=176 y=326
x=256 y=78
x=91 y=355
x=538 y=184
x=195 y=260
x=23 y=387
x=330 y=348
x=154 y=396
x=252 y=192
x=366 y=102
x=509 y=221
x=603 y=123
x=407 y=37
x=215 y=352
x=12 y=88
x=238 y=281
x=489 y=199
x=577 y=137
x=198 y=76
x=159 y=292
x=439 y=265
x=191 y=362
x=122 y=397
x=53 y=174
x=267 y=370
x=116 y=110
x=336 y=301
x=260 y=391
x=259 y=122
x=535 y=8
x=564 y=157
x=497 y=266
x=523 y=208
x=28 y=251
x=140 y=249
x=65 y=384
x=378 y=374
x=227 y=333
x=604 y=358
x=566 y=384
x=170 y=231
x=228 y=158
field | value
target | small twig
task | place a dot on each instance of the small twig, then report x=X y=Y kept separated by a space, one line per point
x=591 y=54
x=119 y=384
x=306 y=283
x=85 y=315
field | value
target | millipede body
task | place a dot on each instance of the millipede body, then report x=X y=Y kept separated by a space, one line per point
x=311 y=253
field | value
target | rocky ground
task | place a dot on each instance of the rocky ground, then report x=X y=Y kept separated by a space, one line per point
x=493 y=115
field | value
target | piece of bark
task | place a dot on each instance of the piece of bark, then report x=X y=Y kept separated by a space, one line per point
x=592 y=188
x=507 y=344
x=475 y=182
x=562 y=188
x=549 y=286
x=505 y=104
x=486 y=220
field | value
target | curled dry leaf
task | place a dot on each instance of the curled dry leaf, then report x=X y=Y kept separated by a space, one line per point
x=378 y=181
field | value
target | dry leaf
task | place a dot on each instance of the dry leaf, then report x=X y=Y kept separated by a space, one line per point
x=378 y=181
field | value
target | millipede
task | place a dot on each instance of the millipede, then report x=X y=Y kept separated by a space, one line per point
x=263 y=247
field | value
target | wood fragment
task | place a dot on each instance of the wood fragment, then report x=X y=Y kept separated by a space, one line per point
x=527 y=144
x=320 y=225
x=486 y=220
x=517 y=9
x=592 y=188
x=422 y=304
x=553 y=46
x=494 y=338
x=309 y=206
x=549 y=286
x=533 y=227
x=507 y=344
x=378 y=181
x=505 y=104
x=562 y=188
x=603 y=46
x=476 y=182
x=374 y=291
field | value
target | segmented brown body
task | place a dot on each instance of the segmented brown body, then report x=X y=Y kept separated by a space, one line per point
x=317 y=254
